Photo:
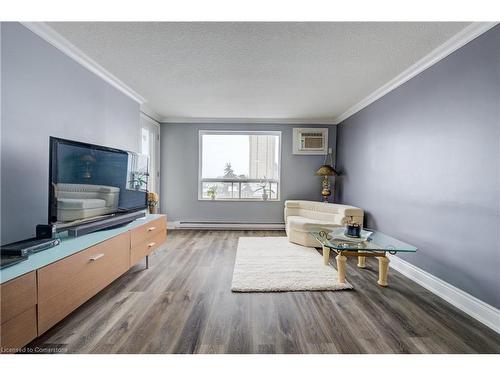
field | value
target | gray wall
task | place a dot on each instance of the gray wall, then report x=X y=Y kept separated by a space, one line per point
x=45 y=93
x=424 y=162
x=179 y=170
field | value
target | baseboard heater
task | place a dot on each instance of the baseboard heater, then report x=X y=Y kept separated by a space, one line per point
x=225 y=225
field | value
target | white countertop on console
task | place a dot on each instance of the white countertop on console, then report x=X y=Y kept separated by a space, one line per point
x=67 y=247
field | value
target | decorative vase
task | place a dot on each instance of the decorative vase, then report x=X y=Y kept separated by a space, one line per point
x=264 y=196
x=153 y=202
x=353 y=230
x=326 y=192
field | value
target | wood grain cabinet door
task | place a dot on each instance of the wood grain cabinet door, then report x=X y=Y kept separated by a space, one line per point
x=146 y=232
x=146 y=238
x=69 y=282
x=18 y=311
x=141 y=250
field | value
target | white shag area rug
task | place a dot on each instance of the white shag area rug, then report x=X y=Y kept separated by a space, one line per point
x=273 y=264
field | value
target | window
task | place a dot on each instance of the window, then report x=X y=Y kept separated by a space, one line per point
x=150 y=146
x=145 y=141
x=239 y=165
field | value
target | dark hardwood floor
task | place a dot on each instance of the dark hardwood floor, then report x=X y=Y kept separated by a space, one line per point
x=183 y=304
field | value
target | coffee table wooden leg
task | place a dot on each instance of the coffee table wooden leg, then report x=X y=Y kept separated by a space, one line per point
x=326 y=255
x=383 y=269
x=341 y=261
x=361 y=261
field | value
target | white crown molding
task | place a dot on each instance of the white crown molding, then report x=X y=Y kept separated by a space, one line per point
x=457 y=41
x=57 y=40
x=146 y=111
x=460 y=39
x=471 y=305
x=148 y=119
x=226 y=120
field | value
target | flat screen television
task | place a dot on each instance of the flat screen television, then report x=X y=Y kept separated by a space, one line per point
x=89 y=182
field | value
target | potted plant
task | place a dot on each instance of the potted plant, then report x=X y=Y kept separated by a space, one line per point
x=139 y=179
x=153 y=200
x=265 y=190
x=212 y=192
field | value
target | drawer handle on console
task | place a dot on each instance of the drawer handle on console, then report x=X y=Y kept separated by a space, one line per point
x=150 y=229
x=95 y=257
x=151 y=244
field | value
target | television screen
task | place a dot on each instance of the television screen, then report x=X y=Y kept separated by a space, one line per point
x=89 y=182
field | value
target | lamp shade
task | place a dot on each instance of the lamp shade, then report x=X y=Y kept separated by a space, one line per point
x=88 y=158
x=326 y=170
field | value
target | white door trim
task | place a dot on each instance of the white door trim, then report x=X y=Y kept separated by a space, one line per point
x=149 y=123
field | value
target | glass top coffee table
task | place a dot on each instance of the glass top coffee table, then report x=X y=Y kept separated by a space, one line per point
x=376 y=245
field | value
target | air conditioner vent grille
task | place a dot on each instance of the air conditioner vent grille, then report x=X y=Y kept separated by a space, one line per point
x=312 y=135
x=310 y=141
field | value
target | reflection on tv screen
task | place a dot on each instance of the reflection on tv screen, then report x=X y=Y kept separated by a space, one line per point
x=90 y=182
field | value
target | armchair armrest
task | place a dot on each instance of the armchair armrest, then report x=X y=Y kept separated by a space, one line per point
x=292 y=204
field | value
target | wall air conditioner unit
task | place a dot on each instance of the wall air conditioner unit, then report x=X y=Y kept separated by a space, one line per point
x=310 y=141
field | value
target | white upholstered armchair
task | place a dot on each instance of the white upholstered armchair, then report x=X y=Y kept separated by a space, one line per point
x=304 y=216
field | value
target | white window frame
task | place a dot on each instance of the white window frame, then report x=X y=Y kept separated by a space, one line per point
x=201 y=133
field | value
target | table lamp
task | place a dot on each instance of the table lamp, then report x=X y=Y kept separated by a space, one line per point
x=326 y=170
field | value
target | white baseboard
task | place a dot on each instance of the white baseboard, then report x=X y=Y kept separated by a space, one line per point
x=469 y=304
x=213 y=225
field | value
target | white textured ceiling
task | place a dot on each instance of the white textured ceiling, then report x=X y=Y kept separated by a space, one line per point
x=299 y=70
